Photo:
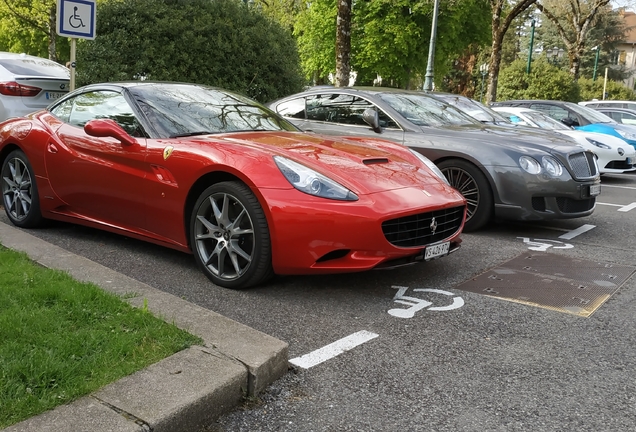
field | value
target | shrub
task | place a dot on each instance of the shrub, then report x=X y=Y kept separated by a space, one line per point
x=594 y=90
x=545 y=81
x=223 y=43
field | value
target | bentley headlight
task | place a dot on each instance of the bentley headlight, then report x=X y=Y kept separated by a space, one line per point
x=530 y=165
x=311 y=182
x=552 y=166
x=426 y=161
x=627 y=135
x=597 y=143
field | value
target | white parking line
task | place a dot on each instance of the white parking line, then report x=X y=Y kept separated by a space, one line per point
x=333 y=349
x=623 y=208
x=580 y=230
x=618 y=187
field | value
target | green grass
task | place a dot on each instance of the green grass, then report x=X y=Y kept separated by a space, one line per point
x=61 y=339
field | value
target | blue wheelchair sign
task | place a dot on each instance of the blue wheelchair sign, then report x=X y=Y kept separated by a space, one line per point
x=76 y=18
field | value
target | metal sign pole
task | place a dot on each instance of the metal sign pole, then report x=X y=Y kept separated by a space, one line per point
x=73 y=47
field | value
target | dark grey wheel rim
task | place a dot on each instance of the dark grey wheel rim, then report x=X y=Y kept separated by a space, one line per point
x=224 y=236
x=17 y=189
x=466 y=185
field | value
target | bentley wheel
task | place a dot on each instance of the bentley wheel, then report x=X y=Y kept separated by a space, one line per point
x=230 y=236
x=472 y=184
x=20 y=192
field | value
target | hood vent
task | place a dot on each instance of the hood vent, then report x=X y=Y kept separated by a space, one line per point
x=375 y=161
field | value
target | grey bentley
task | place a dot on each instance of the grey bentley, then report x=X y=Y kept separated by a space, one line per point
x=503 y=174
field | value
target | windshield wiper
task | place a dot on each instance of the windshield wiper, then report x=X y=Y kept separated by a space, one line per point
x=191 y=134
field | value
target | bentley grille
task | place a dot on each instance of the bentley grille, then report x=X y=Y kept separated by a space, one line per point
x=424 y=228
x=583 y=165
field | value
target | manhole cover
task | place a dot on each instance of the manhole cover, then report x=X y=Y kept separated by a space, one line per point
x=553 y=282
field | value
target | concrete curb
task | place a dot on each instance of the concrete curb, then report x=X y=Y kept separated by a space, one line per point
x=183 y=392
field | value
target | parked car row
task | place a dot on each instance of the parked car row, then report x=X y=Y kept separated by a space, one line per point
x=329 y=180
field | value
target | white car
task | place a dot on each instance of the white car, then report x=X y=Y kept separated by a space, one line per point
x=29 y=83
x=614 y=154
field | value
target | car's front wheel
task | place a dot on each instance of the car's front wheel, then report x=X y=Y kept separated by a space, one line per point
x=230 y=237
x=473 y=185
x=20 y=192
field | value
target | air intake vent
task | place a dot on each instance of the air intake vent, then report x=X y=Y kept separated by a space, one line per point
x=375 y=161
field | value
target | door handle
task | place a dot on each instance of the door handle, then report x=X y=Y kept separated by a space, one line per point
x=51 y=148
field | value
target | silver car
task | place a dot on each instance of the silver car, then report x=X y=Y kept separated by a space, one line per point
x=29 y=83
x=502 y=174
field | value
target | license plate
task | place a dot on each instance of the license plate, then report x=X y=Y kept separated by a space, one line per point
x=54 y=95
x=595 y=190
x=437 y=250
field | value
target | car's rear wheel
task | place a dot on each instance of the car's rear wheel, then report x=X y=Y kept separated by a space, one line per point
x=472 y=184
x=230 y=236
x=20 y=192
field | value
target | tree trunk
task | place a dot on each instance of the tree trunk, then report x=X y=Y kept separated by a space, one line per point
x=52 y=33
x=343 y=43
x=493 y=70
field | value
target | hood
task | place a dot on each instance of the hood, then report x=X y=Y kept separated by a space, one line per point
x=365 y=165
x=515 y=138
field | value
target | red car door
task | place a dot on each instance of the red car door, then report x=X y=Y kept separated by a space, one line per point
x=98 y=178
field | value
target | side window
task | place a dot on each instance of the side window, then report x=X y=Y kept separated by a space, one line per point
x=630 y=106
x=343 y=109
x=553 y=111
x=63 y=110
x=104 y=105
x=294 y=108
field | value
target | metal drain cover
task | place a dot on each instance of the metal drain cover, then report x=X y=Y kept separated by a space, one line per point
x=551 y=281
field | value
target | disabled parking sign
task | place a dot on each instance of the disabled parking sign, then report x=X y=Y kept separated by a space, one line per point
x=76 y=18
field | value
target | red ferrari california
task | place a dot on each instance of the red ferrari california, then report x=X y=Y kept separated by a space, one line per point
x=213 y=173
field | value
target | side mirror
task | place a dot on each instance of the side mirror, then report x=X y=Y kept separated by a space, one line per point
x=569 y=121
x=103 y=128
x=370 y=117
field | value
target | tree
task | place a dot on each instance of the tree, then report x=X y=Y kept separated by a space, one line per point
x=223 y=43
x=573 y=20
x=29 y=26
x=500 y=22
x=315 y=34
x=343 y=43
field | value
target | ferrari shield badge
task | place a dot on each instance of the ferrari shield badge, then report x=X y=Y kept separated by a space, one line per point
x=167 y=152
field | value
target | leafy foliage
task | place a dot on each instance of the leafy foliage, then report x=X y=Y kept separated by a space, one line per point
x=594 y=90
x=545 y=81
x=223 y=43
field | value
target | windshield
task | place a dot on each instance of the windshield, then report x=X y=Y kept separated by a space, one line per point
x=177 y=110
x=474 y=109
x=426 y=111
x=589 y=114
x=545 y=122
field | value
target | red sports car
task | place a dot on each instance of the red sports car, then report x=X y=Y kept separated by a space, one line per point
x=213 y=173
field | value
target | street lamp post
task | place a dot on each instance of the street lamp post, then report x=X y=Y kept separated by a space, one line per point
x=531 y=47
x=598 y=50
x=428 y=79
x=484 y=71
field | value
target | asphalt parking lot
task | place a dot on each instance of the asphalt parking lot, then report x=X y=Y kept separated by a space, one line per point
x=407 y=349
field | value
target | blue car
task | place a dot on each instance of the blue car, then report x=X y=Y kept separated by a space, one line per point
x=578 y=117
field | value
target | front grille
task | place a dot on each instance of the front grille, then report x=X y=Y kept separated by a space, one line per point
x=417 y=230
x=618 y=165
x=583 y=165
x=538 y=204
x=569 y=205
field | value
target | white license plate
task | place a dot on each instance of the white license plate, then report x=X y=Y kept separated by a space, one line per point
x=54 y=95
x=595 y=190
x=437 y=250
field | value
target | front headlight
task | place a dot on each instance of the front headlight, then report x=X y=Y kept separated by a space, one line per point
x=530 y=165
x=311 y=182
x=431 y=166
x=597 y=143
x=627 y=135
x=552 y=166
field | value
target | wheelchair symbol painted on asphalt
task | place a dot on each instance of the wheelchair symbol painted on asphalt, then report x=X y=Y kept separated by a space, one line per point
x=417 y=304
x=542 y=245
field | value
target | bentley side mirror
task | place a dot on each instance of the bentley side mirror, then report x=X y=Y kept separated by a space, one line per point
x=371 y=117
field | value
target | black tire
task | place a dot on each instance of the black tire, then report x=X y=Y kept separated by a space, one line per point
x=230 y=237
x=20 y=196
x=472 y=184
